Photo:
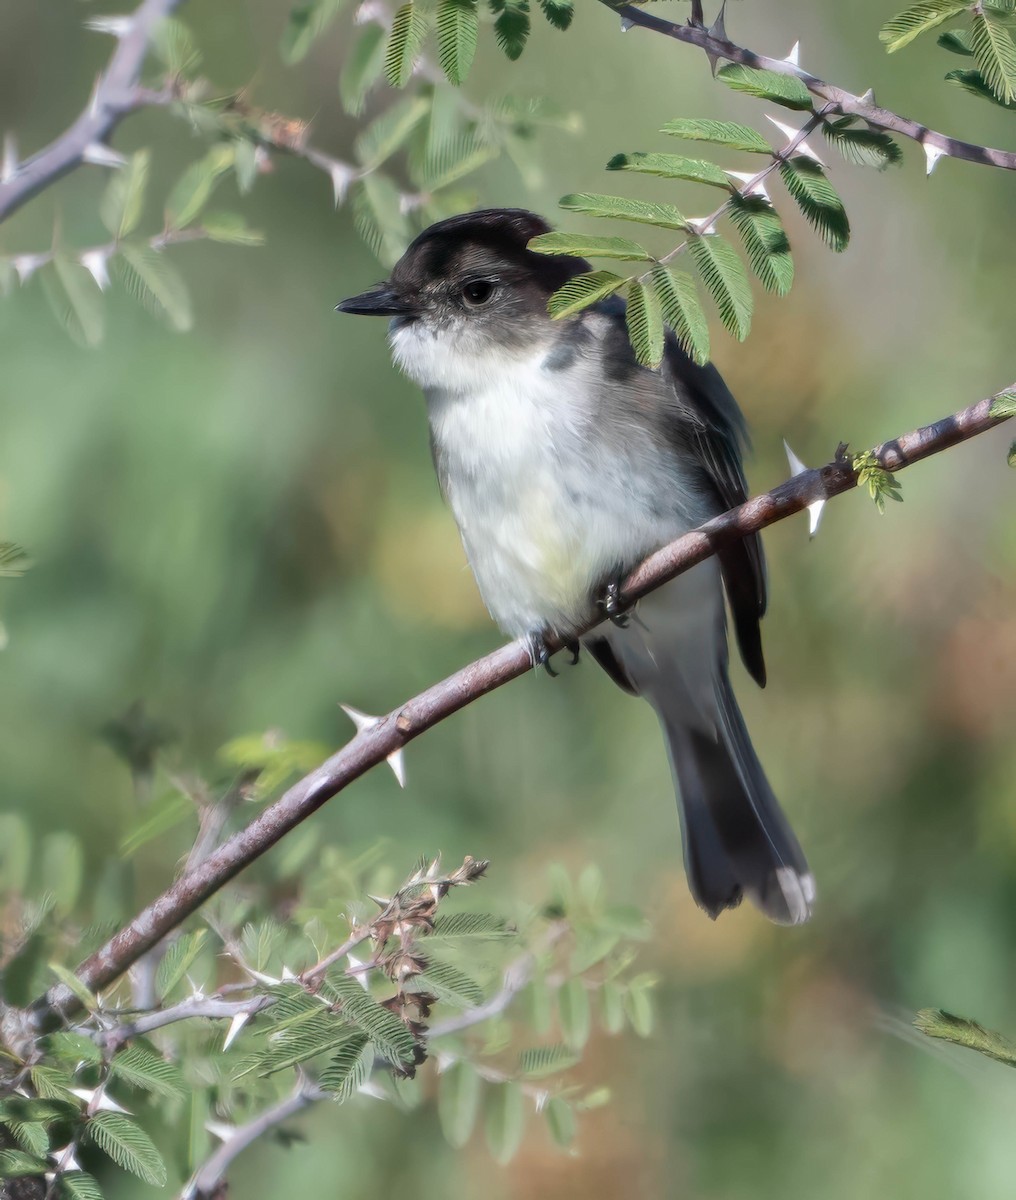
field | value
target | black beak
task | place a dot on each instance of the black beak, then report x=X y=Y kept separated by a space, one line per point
x=380 y=301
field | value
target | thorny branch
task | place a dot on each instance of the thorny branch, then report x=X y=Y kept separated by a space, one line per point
x=116 y=94
x=840 y=102
x=373 y=744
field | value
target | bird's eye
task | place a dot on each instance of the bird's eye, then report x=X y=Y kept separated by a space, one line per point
x=478 y=291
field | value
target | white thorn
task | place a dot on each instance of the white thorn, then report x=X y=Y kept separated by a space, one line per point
x=718 y=29
x=96 y=263
x=104 y=1101
x=868 y=97
x=790 y=133
x=239 y=1020
x=758 y=188
x=703 y=225
x=342 y=176
x=10 y=163
x=261 y=977
x=932 y=154
x=794 y=57
x=118 y=27
x=626 y=24
x=359 y=976
x=101 y=155
x=27 y=264
x=815 y=508
x=396 y=760
x=372 y=1089
x=220 y=1129
x=65 y=1158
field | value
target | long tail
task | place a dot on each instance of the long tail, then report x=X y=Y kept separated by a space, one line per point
x=736 y=839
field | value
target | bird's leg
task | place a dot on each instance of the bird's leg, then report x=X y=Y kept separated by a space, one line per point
x=573 y=647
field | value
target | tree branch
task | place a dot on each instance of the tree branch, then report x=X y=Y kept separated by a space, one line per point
x=373 y=744
x=116 y=94
x=716 y=45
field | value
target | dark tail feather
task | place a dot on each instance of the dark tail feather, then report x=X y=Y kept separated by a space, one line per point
x=736 y=839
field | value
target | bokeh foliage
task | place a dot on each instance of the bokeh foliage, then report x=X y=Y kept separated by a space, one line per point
x=242 y=528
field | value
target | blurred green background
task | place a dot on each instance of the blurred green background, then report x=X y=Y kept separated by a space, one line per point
x=240 y=526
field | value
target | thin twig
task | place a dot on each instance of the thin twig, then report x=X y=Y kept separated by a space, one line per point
x=116 y=94
x=840 y=100
x=373 y=744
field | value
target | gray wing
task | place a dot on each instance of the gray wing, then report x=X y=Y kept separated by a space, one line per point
x=705 y=420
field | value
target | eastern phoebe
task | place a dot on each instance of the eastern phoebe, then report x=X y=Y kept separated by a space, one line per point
x=565 y=463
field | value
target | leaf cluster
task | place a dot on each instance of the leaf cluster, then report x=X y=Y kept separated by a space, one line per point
x=987 y=38
x=882 y=485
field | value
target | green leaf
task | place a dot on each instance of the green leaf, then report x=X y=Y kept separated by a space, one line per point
x=349 y=1068
x=122 y=202
x=863 y=147
x=457 y=25
x=558 y=12
x=560 y=1121
x=720 y=133
x=155 y=283
x=1010 y=458
x=573 y=1012
x=362 y=69
x=995 y=53
x=1003 y=405
x=173 y=43
x=230 y=228
x=166 y=813
x=15 y=1163
x=939 y=1024
x=62 y=870
x=177 y=961
x=79 y=1185
x=408 y=30
x=611 y=999
x=671 y=166
x=74 y=985
x=448 y=983
x=15 y=836
x=75 y=299
x=957 y=41
x=53 y=1083
x=582 y=291
x=816 y=197
x=72 y=1048
x=483 y=926
x=765 y=242
x=128 y=1146
x=306 y=24
x=14 y=561
x=881 y=484
x=540 y=1061
x=581 y=245
x=974 y=83
x=380 y=140
x=664 y=216
x=511 y=28
x=458 y=1102
x=787 y=90
x=194 y=188
x=391 y=1037
x=725 y=279
x=454 y=159
x=901 y=30
x=638 y=1005
x=30 y=1135
x=505 y=1119
x=142 y=1068
x=682 y=310
x=645 y=324
x=379 y=219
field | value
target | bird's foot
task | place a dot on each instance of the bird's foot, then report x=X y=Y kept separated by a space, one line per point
x=612 y=606
x=540 y=654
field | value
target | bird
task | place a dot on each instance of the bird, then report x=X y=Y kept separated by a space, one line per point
x=565 y=462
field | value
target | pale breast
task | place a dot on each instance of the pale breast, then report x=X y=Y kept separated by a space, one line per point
x=546 y=509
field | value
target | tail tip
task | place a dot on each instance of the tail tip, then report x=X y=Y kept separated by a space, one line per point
x=796 y=897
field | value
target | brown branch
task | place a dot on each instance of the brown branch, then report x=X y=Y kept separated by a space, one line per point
x=716 y=45
x=116 y=94
x=372 y=745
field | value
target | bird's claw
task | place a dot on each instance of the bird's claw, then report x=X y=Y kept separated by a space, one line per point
x=616 y=612
x=540 y=654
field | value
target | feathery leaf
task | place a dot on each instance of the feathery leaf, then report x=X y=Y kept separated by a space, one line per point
x=682 y=310
x=817 y=199
x=726 y=281
x=937 y=1023
x=122 y=202
x=511 y=28
x=645 y=325
x=558 y=12
x=409 y=28
x=995 y=54
x=671 y=166
x=901 y=30
x=664 y=216
x=362 y=69
x=457 y=25
x=75 y=299
x=863 y=147
x=765 y=241
x=128 y=1146
x=349 y=1068
x=540 y=1061
x=720 y=133
x=582 y=245
x=458 y=1102
x=787 y=90
x=156 y=284
x=505 y=1119
x=582 y=291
